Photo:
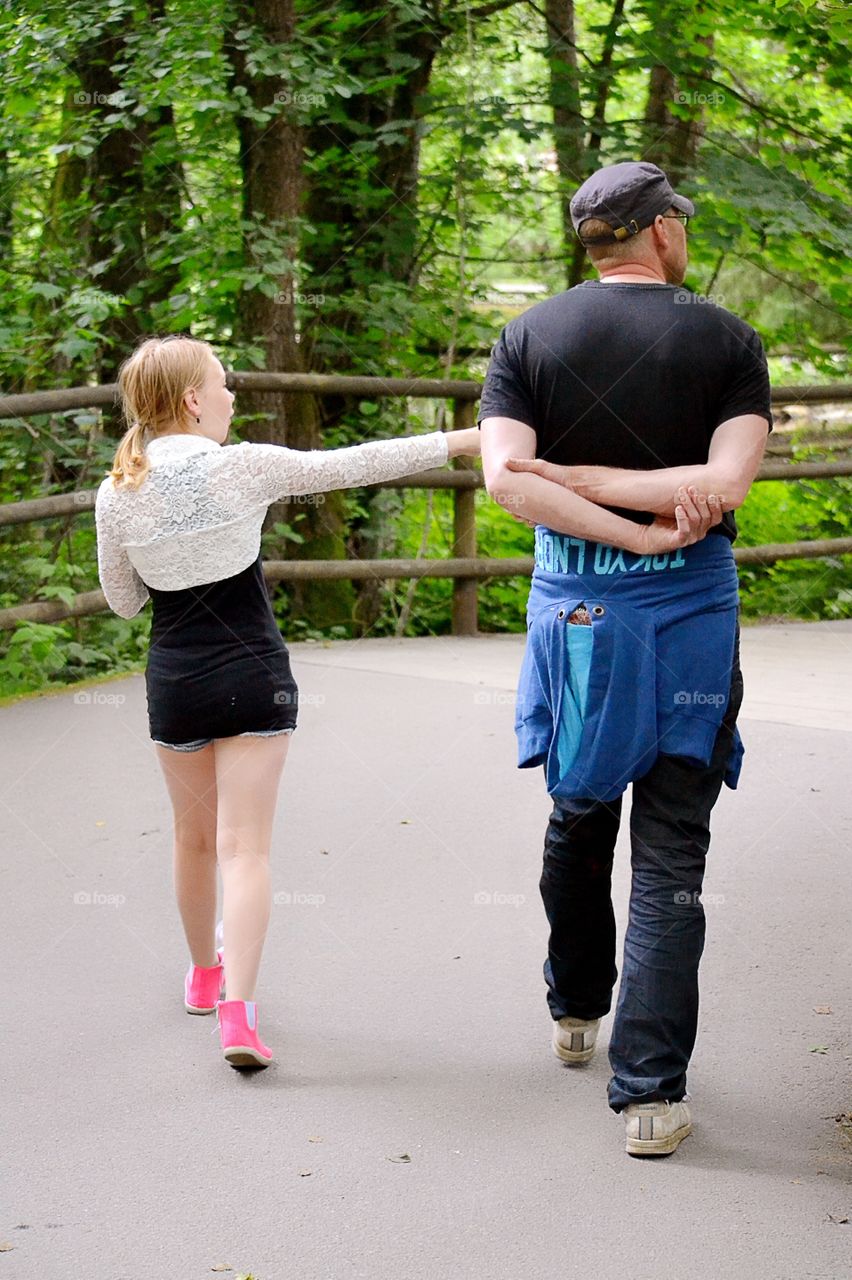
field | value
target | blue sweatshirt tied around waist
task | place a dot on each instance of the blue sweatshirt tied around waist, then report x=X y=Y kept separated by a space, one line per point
x=597 y=704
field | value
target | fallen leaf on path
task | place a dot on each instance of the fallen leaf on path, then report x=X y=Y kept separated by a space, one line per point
x=315 y=1139
x=818 y=1048
x=221 y=1266
x=839 y=1221
x=403 y=1159
x=5 y=1246
x=823 y=1008
x=305 y=1173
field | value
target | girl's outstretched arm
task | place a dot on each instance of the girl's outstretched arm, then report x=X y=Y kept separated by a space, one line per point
x=273 y=471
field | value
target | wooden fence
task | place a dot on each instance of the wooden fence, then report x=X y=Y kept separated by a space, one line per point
x=465 y=568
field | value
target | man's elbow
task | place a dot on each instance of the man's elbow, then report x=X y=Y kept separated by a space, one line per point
x=499 y=481
x=733 y=491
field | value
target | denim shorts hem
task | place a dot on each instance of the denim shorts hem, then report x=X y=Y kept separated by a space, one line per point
x=198 y=743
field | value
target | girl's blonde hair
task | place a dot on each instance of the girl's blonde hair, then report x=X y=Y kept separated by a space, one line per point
x=152 y=383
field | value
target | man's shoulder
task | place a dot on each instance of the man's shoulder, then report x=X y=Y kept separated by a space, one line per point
x=548 y=311
x=707 y=310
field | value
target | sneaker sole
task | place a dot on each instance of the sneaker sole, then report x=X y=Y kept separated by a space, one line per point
x=658 y=1146
x=572 y=1057
x=242 y=1055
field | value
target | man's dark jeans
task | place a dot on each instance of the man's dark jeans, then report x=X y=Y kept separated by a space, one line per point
x=657 y=1012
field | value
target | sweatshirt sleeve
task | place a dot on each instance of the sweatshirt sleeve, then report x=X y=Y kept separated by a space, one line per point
x=270 y=471
x=125 y=591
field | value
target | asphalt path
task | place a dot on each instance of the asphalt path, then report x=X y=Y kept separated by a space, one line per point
x=415 y=1123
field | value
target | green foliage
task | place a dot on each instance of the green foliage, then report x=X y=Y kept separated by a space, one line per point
x=431 y=191
x=784 y=511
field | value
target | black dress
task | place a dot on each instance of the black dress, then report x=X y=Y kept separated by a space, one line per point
x=217 y=663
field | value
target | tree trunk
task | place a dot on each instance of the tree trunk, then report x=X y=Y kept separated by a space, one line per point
x=271 y=161
x=672 y=141
x=117 y=194
x=604 y=77
x=364 y=207
x=568 y=125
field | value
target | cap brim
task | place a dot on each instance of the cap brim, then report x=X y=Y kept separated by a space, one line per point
x=683 y=205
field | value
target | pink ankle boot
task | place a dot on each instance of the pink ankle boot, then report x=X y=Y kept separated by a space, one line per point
x=204 y=987
x=241 y=1044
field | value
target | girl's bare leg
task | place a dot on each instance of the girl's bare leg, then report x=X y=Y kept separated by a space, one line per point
x=191 y=781
x=248 y=772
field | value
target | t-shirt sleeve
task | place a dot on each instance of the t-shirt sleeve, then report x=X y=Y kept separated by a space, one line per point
x=748 y=388
x=506 y=392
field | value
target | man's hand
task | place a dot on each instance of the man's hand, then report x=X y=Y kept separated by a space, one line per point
x=694 y=514
x=538 y=467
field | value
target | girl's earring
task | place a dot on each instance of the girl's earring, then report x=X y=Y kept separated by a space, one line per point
x=198 y=420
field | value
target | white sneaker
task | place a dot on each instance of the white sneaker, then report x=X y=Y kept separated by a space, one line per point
x=574 y=1039
x=656 y=1128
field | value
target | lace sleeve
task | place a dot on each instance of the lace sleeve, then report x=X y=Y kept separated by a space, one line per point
x=124 y=590
x=271 y=471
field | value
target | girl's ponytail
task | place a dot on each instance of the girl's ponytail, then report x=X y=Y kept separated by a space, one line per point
x=130 y=464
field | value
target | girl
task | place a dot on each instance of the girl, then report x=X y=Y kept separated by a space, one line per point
x=179 y=519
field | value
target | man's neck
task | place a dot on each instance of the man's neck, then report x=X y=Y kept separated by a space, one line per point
x=633 y=273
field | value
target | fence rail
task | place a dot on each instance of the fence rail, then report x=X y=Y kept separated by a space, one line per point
x=466 y=569
x=31 y=403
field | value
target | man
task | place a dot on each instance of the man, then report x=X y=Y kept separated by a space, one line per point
x=626 y=418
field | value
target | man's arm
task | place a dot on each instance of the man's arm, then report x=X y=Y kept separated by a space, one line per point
x=536 y=499
x=736 y=450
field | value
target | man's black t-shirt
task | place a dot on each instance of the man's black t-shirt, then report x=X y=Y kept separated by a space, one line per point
x=627 y=375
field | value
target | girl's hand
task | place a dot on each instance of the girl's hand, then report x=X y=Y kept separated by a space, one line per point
x=694 y=514
x=464 y=444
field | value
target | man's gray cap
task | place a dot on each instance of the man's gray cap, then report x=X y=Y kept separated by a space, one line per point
x=628 y=196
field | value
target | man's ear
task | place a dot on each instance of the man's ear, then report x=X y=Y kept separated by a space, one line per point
x=660 y=232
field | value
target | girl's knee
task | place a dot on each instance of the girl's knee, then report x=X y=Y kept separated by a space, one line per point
x=233 y=849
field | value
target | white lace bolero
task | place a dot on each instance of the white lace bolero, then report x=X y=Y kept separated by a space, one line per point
x=197 y=516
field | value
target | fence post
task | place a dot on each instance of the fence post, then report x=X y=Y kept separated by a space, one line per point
x=465 y=605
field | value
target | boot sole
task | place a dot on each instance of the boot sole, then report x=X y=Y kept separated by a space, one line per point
x=658 y=1146
x=194 y=1008
x=242 y=1055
